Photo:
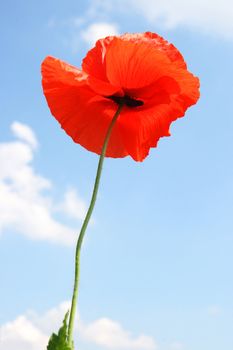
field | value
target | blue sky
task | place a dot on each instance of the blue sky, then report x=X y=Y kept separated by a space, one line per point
x=157 y=258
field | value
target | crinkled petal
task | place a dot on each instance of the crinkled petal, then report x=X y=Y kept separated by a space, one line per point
x=93 y=126
x=132 y=65
x=143 y=129
x=159 y=43
x=56 y=72
x=189 y=86
x=158 y=92
x=144 y=67
x=94 y=62
x=83 y=114
x=181 y=86
x=64 y=88
x=104 y=88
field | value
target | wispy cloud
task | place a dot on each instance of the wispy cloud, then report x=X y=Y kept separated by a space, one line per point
x=205 y=16
x=214 y=17
x=31 y=331
x=85 y=29
x=26 y=206
x=24 y=133
x=72 y=205
x=100 y=19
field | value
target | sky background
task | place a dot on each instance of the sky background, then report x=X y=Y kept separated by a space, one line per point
x=156 y=265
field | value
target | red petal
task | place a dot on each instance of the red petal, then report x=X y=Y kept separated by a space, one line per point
x=161 y=44
x=142 y=129
x=92 y=129
x=104 y=88
x=84 y=115
x=158 y=92
x=56 y=72
x=94 y=62
x=64 y=87
x=131 y=65
x=142 y=66
x=143 y=126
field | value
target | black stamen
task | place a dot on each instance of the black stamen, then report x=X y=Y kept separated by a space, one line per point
x=127 y=100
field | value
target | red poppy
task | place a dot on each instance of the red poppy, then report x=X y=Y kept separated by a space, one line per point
x=143 y=71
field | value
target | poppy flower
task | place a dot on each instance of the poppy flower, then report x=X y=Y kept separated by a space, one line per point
x=141 y=71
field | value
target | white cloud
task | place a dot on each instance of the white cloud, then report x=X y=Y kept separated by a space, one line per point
x=111 y=335
x=21 y=334
x=88 y=34
x=25 y=204
x=23 y=132
x=97 y=31
x=51 y=320
x=31 y=332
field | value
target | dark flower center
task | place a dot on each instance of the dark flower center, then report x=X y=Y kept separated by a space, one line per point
x=126 y=100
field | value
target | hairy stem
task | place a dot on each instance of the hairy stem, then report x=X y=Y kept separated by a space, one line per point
x=84 y=226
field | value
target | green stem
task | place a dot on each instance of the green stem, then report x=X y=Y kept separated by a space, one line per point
x=84 y=226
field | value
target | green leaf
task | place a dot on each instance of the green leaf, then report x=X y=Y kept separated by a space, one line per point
x=60 y=341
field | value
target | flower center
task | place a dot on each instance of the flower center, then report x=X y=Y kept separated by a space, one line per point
x=126 y=100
